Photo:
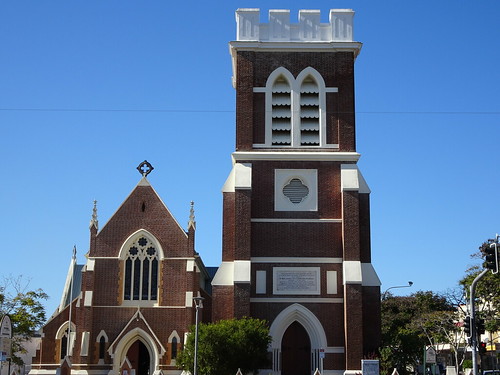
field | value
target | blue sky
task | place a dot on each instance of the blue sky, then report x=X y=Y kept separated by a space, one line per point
x=88 y=90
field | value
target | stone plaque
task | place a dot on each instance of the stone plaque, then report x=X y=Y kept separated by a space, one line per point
x=296 y=280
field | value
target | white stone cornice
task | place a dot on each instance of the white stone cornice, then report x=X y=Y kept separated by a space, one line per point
x=239 y=156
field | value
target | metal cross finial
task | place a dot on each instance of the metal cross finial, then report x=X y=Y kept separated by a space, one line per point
x=145 y=168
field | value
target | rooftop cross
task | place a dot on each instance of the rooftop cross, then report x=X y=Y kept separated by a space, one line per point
x=145 y=168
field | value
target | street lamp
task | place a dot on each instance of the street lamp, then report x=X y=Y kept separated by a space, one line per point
x=198 y=302
x=410 y=283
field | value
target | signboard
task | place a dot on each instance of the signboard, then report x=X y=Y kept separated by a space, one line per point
x=6 y=327
x=430 y=355
x=5 y=344
x=296 y=280
x=370 y=366
x=5 y=338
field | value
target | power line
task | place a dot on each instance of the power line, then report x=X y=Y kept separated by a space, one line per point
x=233 y=111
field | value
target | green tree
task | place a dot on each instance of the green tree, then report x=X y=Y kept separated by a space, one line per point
x=403 y=334
x=25 y=310
x=487 y=291
x=227 y=345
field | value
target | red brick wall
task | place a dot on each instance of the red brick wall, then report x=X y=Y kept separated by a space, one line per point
x=253 y=69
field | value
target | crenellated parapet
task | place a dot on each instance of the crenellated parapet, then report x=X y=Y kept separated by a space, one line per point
x=308 y=29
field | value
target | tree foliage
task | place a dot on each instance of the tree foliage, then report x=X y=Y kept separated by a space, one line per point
x=406 y=325
x=25 y=310
x=227 y=345
x=487 y=291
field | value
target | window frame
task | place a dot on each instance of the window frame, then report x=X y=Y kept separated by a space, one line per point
x=295 y=85
x=124 y=256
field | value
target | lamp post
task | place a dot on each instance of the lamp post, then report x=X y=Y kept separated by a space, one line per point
x=410 y=283
x=198 y=302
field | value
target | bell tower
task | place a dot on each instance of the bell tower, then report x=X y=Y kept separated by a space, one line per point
x=296 y=216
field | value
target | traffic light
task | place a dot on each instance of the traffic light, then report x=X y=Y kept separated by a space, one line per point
x=491 y=258
x=467 y=326
x=480 y=326
x=482 y=348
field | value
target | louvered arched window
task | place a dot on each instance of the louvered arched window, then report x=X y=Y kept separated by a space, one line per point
x=295 y=109
x=281 y=112
x=309 y=112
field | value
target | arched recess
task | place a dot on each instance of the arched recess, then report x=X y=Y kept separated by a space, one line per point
x=127 y=341
x=141 y=256
x=173 y=346
x=63 y=340
x=133 y=237
x=101 y=342
x=304 y=316
x=295 y=109
x=313 y=327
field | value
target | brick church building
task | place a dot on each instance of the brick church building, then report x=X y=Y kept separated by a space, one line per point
x=296 y=227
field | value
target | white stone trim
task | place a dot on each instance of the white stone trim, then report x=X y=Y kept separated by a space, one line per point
x=224 y=274
x=85 y=344
x=278 y=272
x=243 y=176
x=119 y=354
x=102 y=334
x=172 y=335
x=308 y=177
x=296 y=300
x=190 y=265
x=273 y=220
x=356 y=272
x=122 y=254
x=89 y=266
x=370 y=277
x=295 y=260
x=189 y=299
x=260 y=282
x=295 y=107
x=240 y=177
x=304 y=316
x=352 y=179
x=294 y=156
x=88 y=298
x=331 y=282
x=241 y=271
x=308 y=29
x=352 y=272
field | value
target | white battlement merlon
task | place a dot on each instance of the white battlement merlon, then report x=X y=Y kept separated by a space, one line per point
x=342 y=24
x=308 y=29
x=309 y=25
x=247 y=24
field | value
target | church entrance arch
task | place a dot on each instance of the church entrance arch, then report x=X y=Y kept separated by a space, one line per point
x=295 y=351
x=139 y=358
x=299 y=322
x=136 y=353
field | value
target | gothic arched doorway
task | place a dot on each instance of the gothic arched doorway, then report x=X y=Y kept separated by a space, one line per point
x=296 y=351
x=139 y=358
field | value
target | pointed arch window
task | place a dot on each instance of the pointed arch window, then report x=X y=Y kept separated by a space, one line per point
x=64 y=344
x=102 y=347
x=309 y=112
x=281 y=112
x=141 y=271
